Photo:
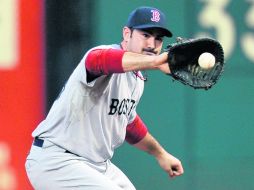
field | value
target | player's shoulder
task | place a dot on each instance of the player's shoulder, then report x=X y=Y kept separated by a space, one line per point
x=111 y=46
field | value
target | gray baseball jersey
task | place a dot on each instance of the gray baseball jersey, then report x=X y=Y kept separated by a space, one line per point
x=90 y=118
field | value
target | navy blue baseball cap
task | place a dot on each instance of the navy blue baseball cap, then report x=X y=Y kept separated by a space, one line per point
x=148 y=17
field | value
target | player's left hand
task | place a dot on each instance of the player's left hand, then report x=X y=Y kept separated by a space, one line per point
x=164 y=68
x=162 y=63
x=170 y=164
x=183 y=59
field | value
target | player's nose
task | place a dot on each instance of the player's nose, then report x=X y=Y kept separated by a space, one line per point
x=151 y=42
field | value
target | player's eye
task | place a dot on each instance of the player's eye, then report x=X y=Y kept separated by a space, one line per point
x=146 y=35
x=159 y=38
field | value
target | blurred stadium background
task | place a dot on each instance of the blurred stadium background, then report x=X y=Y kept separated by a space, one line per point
x=41 y=42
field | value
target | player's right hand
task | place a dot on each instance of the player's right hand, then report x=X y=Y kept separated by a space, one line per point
x=170 y=164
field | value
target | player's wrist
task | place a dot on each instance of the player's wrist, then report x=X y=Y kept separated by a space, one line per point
x=161 y=59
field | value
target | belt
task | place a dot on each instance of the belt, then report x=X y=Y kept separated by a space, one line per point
x=39 y=142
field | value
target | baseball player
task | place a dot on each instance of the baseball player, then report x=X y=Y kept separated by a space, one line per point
x=96 y=112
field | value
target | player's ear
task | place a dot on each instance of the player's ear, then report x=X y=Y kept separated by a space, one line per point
x=126 y=33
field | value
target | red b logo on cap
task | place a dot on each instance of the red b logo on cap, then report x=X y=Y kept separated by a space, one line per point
x=155 y=16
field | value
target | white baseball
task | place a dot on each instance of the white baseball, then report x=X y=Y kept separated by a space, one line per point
x=206 y=60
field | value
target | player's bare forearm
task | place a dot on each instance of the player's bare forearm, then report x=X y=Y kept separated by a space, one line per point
x=150 y=145
x=134 y=62
x=166 y=161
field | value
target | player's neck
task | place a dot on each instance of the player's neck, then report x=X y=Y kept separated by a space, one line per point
x=123 y=46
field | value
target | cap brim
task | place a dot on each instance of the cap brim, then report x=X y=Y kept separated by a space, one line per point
x=164 y=31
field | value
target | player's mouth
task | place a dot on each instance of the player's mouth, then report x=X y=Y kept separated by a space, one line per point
x=148 y=51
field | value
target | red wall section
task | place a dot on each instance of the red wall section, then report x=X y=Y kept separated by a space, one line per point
x=21 y=93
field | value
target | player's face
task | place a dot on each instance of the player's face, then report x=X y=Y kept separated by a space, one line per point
x=147 y=42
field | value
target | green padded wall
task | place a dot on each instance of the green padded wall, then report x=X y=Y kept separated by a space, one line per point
x=210 y=131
